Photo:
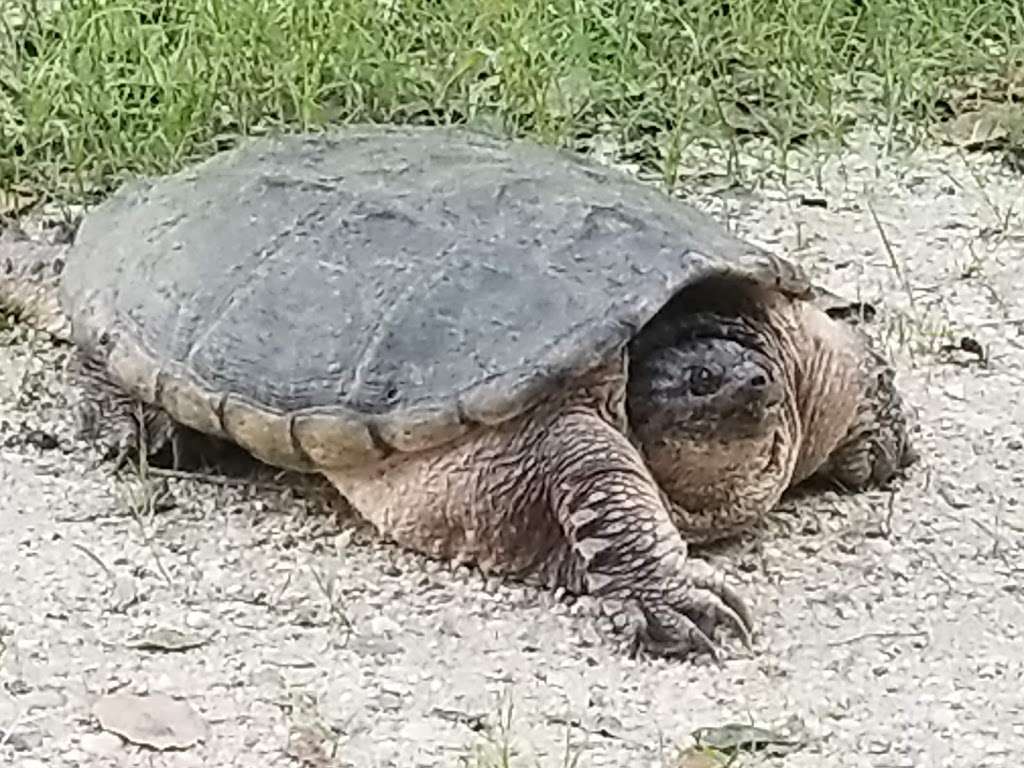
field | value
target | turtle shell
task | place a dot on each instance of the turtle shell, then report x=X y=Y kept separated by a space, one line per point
x=323 y=300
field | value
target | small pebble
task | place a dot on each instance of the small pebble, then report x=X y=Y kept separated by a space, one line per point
x=101 y=744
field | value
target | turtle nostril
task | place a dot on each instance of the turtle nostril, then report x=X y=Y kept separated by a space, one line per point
x=763 y=390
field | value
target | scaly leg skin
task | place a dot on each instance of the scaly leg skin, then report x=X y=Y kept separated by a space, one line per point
x=625 y=544
x=561 y=496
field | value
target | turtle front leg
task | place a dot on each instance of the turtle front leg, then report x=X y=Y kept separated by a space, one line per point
x=624 y=544
x=562 y=496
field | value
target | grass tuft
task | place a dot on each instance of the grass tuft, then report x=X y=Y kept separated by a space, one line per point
x=99 y=88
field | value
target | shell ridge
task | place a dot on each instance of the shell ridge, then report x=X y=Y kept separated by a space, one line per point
x=380 y=327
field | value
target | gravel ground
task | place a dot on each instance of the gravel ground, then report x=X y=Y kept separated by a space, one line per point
x=891 y=623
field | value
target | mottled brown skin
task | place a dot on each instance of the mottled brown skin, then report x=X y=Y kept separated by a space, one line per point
x=730 y=396
x=560 y=494
x=726 y=404
x=748 y=393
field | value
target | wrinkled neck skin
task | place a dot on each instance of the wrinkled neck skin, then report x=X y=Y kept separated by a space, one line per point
x=723 y=480
x=826 y=364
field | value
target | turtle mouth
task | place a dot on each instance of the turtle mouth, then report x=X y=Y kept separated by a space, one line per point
x=759 y=408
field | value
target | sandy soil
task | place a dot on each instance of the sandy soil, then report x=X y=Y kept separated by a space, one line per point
x=891 y=624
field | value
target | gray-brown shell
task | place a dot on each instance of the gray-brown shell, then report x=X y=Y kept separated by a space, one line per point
x=323 y=300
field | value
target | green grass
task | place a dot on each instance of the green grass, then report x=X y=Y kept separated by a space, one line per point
x=105 y=87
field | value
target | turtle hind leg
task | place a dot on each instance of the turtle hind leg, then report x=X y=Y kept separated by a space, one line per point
x=120 y=426
x=125 y=429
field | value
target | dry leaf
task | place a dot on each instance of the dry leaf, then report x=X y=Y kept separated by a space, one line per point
x=1015 y=84
x=733 y=736
x=167 y=639
x=153 y=720
x=974 y=130
x=986 y=126
x=699 y=757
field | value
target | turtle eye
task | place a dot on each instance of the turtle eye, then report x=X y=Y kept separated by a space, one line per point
x=704 y=381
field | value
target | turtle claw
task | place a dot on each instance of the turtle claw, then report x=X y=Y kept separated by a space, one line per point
x=731 y=607
x=679 y=617
x=658 y=640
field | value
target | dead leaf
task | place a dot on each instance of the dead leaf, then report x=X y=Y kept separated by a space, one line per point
x=1015 y=84
x=975 y=91
x=701 y=757
x=975 y=129
x=989 y=125
x=733 y=736
x=167 y=639
x=152 y=720
x=310 y=746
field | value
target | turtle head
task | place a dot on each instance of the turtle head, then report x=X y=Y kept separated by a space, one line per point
x=705 y=389
x=708 y=407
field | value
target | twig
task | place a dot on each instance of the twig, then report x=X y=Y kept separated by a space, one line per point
x=5 y=735
x=998 y=323
x=892 y=257
x=891 y=512
x=151 y=543
x=148 y=500
x=94 y=557
x=997 y=541
x=328 y=592
x=884 y=635
x=222 y=480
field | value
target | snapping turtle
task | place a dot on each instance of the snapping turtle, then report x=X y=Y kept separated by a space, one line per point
x=498 y=352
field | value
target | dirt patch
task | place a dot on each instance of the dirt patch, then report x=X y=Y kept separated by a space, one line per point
x=890 y=624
